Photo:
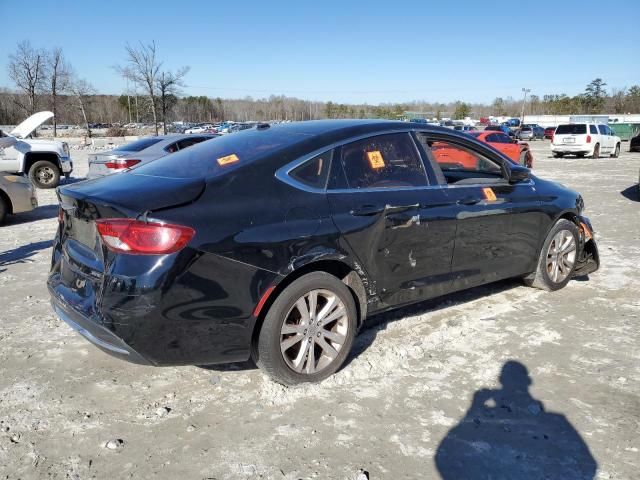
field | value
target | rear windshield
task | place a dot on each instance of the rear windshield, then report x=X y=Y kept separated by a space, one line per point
x=571 y=129
x=138 y=145
x=526 y=129
x=223 y=153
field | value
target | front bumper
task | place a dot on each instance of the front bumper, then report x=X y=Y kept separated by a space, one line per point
x=589 y=257
x=66 y=164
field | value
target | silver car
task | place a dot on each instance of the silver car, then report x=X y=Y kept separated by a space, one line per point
x=141 y=151
x=17 y=194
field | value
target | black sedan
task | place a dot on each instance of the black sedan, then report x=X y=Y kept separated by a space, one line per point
x=634 y=144
x=277 y=243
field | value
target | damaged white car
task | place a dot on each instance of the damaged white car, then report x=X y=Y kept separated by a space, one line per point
x=44 y=160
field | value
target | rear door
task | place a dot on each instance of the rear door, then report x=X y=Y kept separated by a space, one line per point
x=393 y=217
x=571 y=134
x=498 y=223
x=606 y=137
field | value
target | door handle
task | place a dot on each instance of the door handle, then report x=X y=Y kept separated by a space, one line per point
x=468 y=201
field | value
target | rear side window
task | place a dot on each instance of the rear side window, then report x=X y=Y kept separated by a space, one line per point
x=384 y=161
x=314 y=172
x=593 y=129
x=226 y=153
x=571 y=129
x=138 y=145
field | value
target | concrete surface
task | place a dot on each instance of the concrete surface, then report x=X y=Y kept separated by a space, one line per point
x=498 y=382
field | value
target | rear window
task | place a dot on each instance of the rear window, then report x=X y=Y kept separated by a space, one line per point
x=138 y=145
x=571 y=129
x=227 y=152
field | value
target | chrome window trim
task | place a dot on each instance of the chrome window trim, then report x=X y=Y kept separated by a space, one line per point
x=282 y=173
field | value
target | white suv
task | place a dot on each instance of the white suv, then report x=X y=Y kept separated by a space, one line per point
x=581 y=139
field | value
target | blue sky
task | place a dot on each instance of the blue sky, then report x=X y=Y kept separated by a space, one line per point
x=346 y=51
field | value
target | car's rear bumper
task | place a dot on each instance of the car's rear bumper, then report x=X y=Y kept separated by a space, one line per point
x=573 y=149
x=102 y=338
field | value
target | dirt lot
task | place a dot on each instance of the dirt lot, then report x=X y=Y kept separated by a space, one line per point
x=428 y=387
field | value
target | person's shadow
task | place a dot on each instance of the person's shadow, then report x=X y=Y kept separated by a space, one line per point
x=507 y=434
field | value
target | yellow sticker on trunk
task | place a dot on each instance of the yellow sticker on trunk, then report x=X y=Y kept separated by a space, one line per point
x=233 y=158
x=489 y=194
x=375 y=159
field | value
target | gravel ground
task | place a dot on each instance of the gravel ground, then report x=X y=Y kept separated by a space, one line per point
x=522 y=383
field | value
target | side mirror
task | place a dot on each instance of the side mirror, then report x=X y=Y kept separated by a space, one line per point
x=518 y=173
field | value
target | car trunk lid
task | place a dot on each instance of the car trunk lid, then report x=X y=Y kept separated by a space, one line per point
x=571 y=134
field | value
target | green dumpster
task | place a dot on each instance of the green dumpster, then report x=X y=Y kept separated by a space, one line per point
x=626 y=131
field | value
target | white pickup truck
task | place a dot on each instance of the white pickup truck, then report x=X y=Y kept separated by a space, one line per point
x=45 y=161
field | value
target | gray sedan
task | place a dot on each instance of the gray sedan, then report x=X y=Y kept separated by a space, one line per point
x=141 y=151
x=17 y=194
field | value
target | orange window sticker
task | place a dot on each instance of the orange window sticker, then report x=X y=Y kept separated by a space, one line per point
x=233 y=158
x=375 y=159
x=489 y=195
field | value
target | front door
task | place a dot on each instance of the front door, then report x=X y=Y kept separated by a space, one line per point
x=498 y=223
x=396 y=223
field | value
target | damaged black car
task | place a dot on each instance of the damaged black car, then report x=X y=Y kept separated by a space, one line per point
x=277 y=243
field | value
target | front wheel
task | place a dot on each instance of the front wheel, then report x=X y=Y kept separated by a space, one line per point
x=596 y=151
x=557 y=260
x=616 y=152
x=308 y=331
x=44 y=174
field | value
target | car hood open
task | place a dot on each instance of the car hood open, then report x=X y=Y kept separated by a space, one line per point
x=27 y=127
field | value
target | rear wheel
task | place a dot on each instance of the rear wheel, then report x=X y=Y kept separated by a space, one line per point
x=596 y=151
x=308 y=331
x=557 y=260
x=616 y=152
x=45 y=174
x=558 y=155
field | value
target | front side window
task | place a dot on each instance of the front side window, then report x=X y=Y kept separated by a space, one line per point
x=384 y=161
x=603 y=130
x=314 y=172
x=460 y=164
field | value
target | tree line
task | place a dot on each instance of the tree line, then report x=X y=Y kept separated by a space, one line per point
x=45 y=79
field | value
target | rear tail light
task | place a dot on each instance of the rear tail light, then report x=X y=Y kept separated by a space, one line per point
x=121 y=163
x=588 y=138
x=125 y=235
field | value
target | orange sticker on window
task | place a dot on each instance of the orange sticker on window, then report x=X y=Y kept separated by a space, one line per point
x=375 y=159
x=233 y=158
x=489 y=195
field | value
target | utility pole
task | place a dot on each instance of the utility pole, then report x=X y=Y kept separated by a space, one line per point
x=524 y=100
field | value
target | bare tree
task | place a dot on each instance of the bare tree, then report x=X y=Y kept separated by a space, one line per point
x=26 y=69
x=81 y=89
x=143 y=68
x=58 y=78
x=169 y=84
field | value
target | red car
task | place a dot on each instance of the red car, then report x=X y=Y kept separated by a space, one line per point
x=518 y=152
x=549 y=132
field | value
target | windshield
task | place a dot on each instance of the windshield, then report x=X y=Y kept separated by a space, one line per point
x=138 y=145
x=226 y=152
x=571 y=129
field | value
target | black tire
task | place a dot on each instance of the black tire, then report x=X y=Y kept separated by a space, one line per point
x=44 y=174
x=558 y=155
x=267 y=353
x=4 y=209
x=596 y=151
x=541 y=278
x=616 y=152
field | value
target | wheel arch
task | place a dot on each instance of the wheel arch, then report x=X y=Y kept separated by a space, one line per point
x=32 y=157
x=5 y=197
x=339 y=268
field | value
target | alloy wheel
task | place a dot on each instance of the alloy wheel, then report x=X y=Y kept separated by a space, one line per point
x=561 y=256
x=314 y=331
